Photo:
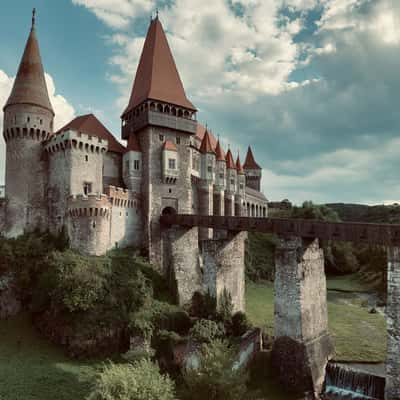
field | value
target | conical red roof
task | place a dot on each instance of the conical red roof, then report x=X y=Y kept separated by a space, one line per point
x=229 y=160
x=133 y=143
x=90 y=125
x=157 y=77
x=206 y=146
x=219 y=152
x=250 y=163
x=30 y=84
x=239 y=165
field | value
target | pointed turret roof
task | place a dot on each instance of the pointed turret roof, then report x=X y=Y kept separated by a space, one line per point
x=229 y=160
x=157 y=77
x=250 y=163
x=219 y=152
x=30 y=84
x=239 y=165
x=90 y=125
x=206 y=146
x=133 y=143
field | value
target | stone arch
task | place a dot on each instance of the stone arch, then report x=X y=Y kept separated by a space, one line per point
x=168 y=211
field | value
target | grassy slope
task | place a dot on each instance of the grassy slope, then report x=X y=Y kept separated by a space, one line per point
x=31 y=368
x=358 y=335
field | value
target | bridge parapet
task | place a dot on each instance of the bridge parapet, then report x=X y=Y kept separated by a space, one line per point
x=383 y=234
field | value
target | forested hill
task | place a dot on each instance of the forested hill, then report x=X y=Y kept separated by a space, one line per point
x=364 y=213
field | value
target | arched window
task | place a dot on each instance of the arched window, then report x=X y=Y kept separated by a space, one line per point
x=173 y=111
x=160 y=108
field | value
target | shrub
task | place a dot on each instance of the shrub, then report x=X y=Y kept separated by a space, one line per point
x=215 y=378
x=141 y=380
x=203 y=305
x=139 y=353
x=205 y=330
x=240 y=324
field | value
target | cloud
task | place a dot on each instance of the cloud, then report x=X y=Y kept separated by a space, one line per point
x=63 y=109
x=311 y=84
x=117 y=13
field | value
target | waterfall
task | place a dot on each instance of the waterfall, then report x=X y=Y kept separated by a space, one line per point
x=342 y=382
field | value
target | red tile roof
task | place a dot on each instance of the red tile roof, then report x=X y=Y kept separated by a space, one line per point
x=92 y=126
x=239 y=165
x=250 y=163
x=157 y=77
x=206 y=146
x=200 y=132
x=220 y=153
x=30 y=85
x=230 y=164
x=133 y=143
x=168 y=145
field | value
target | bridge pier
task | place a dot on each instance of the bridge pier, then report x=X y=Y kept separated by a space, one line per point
x=392 y=390
x=223 y=267
x=302 y=344
x=181 y=261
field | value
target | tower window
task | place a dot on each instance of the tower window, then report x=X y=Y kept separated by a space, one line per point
x=178 y=140
x=161 y=138
x=41 y=122
x=86 y=158
x=136 y=165
x=232 y=181
x=221 y=176
x=87 y=188
x=209 y=168
x=28 y=119
x=171 y=163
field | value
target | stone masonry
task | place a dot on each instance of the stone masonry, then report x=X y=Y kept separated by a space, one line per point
x=392 y=390
x=302 y=344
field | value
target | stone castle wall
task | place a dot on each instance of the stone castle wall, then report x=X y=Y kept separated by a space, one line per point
x=125 y=218
x=89 y=223
x=74 y=159
x=25 y=129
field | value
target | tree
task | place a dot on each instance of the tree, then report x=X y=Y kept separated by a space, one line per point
x=140 y=380
x=215 y=378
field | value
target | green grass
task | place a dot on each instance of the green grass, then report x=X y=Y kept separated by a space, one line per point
x=347 y=283
x=33 y=369
x=358 y=335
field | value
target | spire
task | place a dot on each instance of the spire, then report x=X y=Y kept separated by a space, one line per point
x=250 y=163
x=239 y=165
x=157 y=77
x=219 y=152
x=230 y=164
x=206 y=146
x=30 y=84
x=133 y=144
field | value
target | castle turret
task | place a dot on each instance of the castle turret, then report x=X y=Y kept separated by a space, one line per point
x=206 y=186
x=220 y=181
x=132 y=164
x=253 y=171
x=164 y=120
x=28 y=122
x=231 y=182
x=240 y=188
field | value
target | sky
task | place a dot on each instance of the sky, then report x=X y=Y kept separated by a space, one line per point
x=312 y=85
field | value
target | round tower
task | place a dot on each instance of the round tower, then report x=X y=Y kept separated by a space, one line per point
x=231 y=182
x=28 y=122
x=253 y=171
x=206 y=186
x=240 y=189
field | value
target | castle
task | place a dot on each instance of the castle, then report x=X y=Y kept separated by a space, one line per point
x=108 y=195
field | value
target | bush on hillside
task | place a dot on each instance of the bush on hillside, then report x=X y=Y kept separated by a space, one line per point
x=240 y=324
x=203 y=305
x=215 y=378
x=140 y=380
x=206 y=330
x=225 y=307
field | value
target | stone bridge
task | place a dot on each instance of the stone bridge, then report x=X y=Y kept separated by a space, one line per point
x=302 y=344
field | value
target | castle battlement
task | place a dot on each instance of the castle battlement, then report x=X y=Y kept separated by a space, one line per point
x=121 y=197
x=92 y=205
x=31 y=133
x=76 y=140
